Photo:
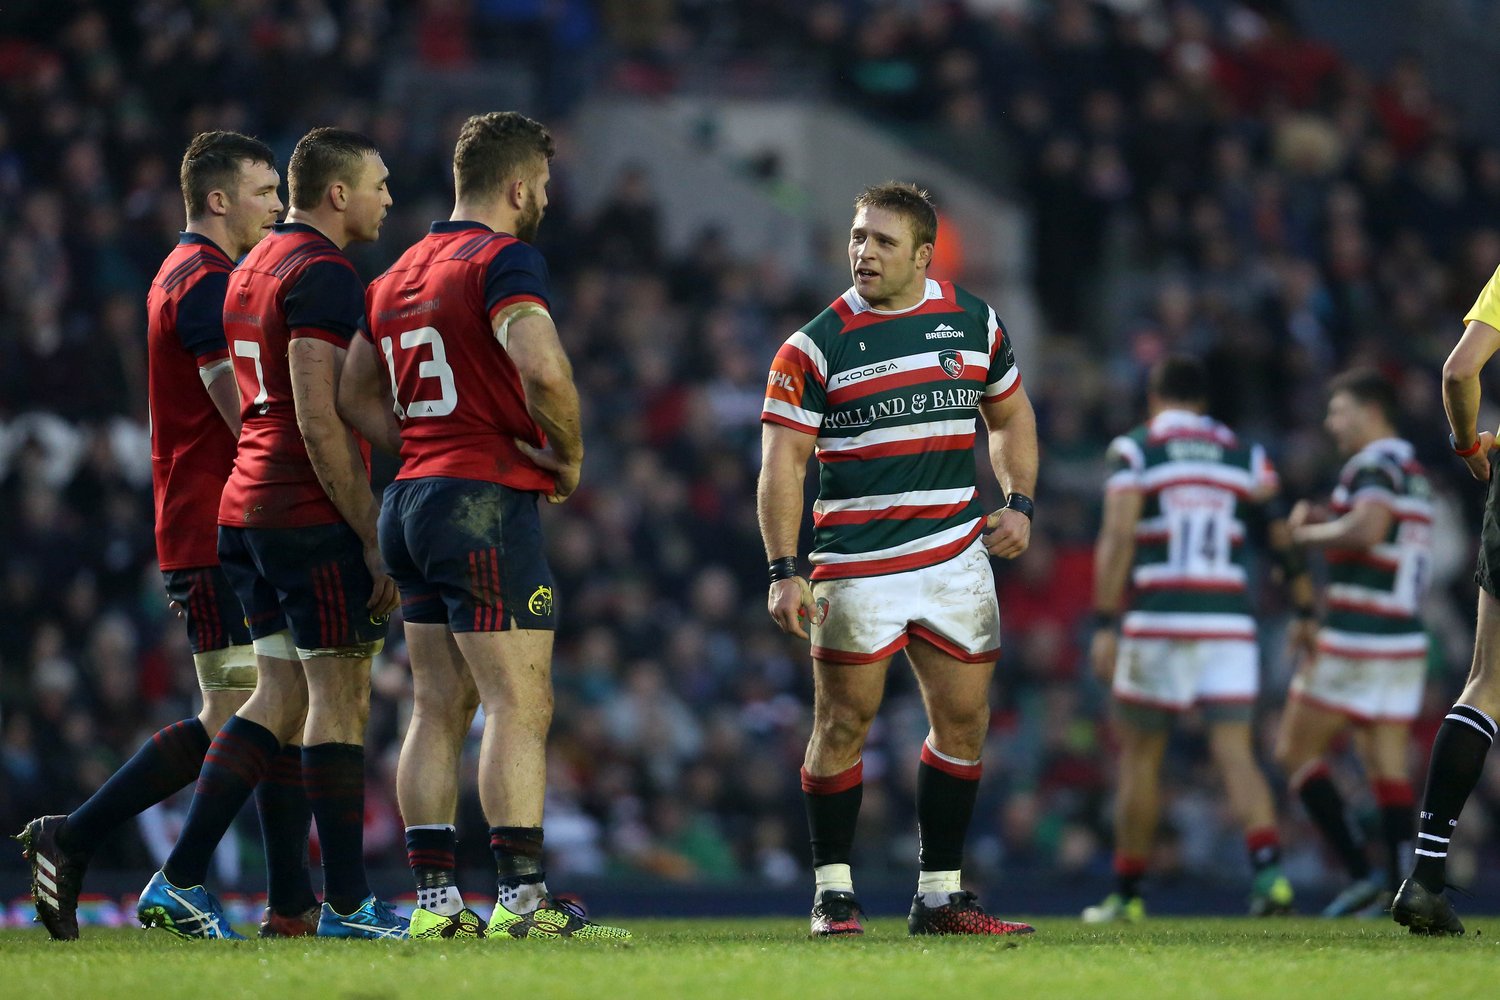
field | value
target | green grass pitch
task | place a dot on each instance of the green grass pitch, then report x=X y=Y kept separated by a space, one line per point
x=708 y=960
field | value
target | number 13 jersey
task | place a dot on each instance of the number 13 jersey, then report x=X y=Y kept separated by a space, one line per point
x=457 y=392
x=1196 y=479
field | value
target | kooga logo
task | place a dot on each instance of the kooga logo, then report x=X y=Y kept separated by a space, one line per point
x=860 y=374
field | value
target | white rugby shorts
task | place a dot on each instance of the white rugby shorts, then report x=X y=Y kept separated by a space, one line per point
x=951 y=605
x=1377 y=683
x=1176 y=674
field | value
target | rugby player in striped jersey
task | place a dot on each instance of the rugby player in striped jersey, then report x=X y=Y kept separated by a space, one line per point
x=1182 y=497
x=1371 y=663
x=883 y=386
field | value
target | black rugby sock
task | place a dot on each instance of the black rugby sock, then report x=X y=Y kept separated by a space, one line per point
x=236 y=759
x=164 y=764
x=285 y=817
x=334 y=775
x=1458 y=752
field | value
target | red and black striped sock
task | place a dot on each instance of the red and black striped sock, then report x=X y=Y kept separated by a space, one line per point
x=430 y=851
x=1325 y=807
x=334 y=775
x=946 y=789
x=1129 y=871
x=285 y=818
x=832 y=803
x=165 y=763
x=517 y=850
x=235 y=761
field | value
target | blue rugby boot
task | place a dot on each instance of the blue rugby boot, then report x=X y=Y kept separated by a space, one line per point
x=188 y=913
x=374 y=919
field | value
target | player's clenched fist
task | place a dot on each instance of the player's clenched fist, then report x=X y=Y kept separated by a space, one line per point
x=1007 y=532
x=790 y=603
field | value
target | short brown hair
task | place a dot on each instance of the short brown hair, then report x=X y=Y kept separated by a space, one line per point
x=323 y=156
x=212 y=163
x=907 y=200
x=1179 y=378
x=1369 y=387
x=495 y=148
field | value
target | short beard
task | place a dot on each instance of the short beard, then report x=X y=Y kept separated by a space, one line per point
x=528 y=223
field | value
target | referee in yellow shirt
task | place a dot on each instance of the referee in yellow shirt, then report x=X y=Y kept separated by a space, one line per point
x=1464 y=739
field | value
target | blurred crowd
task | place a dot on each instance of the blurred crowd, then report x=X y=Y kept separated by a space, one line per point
x=1200 y=176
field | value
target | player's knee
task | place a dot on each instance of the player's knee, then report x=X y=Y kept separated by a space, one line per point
x=218 y=706
x=843 y=727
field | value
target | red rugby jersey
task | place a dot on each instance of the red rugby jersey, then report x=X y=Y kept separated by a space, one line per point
x=296 y=283
x=191 y=447
x=461 y=404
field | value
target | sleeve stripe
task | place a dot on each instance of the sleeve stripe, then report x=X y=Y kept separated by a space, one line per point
x=333 y=337
x=801 y=342
x=794 y=416
x=511 y=300
x=1008 y=384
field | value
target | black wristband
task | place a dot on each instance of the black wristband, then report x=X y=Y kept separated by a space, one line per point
x=783 y=569
x=1106 y=620
x=1021 y=503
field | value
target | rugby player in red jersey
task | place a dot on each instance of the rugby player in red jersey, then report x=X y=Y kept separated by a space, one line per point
x=460 y=328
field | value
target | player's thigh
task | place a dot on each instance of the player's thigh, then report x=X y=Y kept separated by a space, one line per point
x=1385 y=748
x=954 y=689
x=1308 y=727
x=847 y=695
x=323 y=585
x=440 y=677
x=511 y=668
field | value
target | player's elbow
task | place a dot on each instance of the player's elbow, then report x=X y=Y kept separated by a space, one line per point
x=1461 y=367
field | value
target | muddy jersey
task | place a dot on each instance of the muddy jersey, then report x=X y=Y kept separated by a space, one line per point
x=296 y=283
x=892 y=398
x=1196 y=478
x=192 y=449
x=1375 y=593
x=458 y=395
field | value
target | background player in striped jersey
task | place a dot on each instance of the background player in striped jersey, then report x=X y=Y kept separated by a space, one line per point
x=1182 y=493
x=1371 y=660
x=229 y=187
x=884 y=386
x=297 y=541
x=489 y=422
x=1463 y=740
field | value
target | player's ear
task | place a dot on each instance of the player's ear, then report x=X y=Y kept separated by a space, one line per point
x=515 y=193
x=924 y=255
x=338 y=195
x=217 y=202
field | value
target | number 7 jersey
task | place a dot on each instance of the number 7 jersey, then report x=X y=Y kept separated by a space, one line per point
x=457 y=392
x=1196 y=478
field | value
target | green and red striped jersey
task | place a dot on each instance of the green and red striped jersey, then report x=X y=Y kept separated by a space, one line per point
x=1189 y=577
x=892 y=398
x=1375 y=594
